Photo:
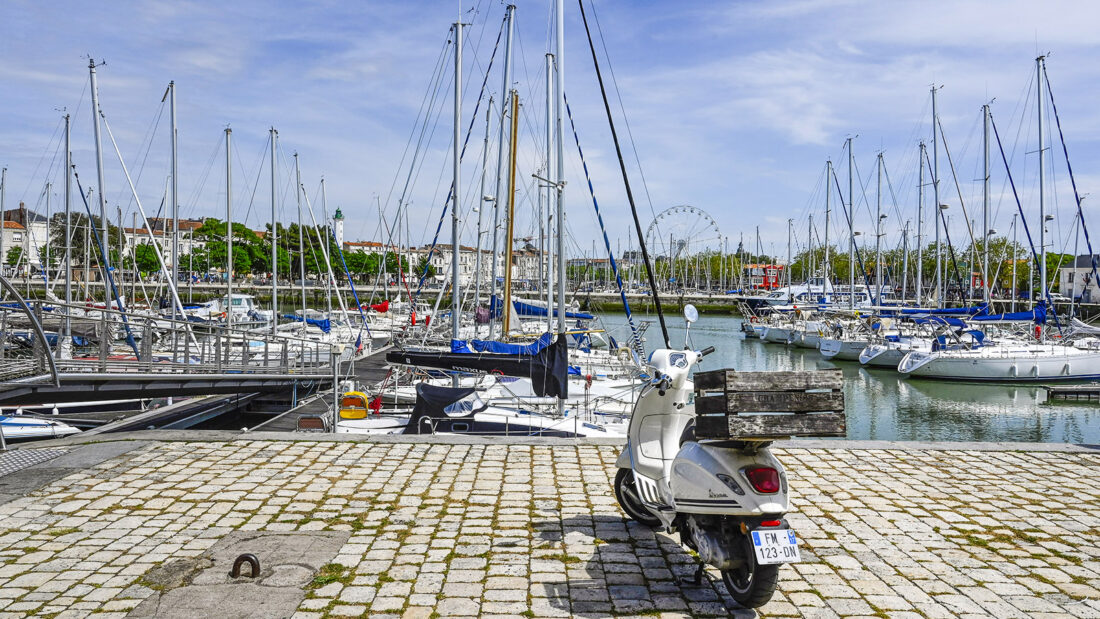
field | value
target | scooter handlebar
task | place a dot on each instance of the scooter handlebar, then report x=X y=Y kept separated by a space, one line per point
x=706 y=351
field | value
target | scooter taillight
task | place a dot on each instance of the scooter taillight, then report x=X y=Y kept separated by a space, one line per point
x=764 y=479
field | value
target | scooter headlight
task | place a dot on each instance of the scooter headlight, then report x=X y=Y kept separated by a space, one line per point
x=731 y=483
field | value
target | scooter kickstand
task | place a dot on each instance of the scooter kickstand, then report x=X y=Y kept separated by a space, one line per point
x=696 y=579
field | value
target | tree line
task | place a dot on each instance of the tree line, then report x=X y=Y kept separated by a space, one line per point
x=251 y=251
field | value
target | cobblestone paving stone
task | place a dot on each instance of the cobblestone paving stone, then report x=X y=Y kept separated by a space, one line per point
x=534 y=531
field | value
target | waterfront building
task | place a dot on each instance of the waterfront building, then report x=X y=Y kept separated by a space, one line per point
x=1077 y=280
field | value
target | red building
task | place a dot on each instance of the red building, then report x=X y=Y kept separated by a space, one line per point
x=763 y=276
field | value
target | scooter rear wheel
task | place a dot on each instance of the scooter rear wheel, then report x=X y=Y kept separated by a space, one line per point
x=751 y=585
x=626 y=491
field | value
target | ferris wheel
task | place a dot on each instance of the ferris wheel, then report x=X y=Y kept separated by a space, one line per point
x=682 y=231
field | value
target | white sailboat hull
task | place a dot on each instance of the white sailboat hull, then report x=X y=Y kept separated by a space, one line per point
x=809 y=337
x=882 y=356
x=752 y=330
x=18 y=427
x=777 y=335
x=841 y=350
x=1031 y=364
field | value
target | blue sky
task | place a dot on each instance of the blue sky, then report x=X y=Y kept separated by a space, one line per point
x=733 y=107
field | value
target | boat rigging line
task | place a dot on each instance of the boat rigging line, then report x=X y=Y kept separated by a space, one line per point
x=107 y=273
x=635 y=336
x=465 y=143
x=1072 y=179
x=1023 y=219
x=626 y=183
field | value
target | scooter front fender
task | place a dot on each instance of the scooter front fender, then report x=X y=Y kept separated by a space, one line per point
x=623 y=461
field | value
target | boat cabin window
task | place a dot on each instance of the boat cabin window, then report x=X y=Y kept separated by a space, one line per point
x=460 y=427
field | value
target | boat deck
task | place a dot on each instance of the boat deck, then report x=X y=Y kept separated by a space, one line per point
x=368 y=370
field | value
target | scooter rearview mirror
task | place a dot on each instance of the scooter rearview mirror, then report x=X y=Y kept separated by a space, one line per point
x=690 y=313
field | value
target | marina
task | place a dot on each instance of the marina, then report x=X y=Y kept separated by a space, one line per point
x=883 y=405
x=496 y=310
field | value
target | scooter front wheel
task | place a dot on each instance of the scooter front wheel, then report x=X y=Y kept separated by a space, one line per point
x=751 y=585
x=626 y=491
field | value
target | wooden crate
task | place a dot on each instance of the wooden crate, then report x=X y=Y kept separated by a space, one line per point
x=768 y=405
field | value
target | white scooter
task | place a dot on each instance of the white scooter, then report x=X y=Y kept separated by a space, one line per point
x=727 y=498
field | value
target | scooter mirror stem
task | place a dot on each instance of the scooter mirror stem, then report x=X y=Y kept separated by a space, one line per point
x=690 y=315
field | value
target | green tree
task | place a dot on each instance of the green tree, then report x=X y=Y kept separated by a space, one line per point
x=420 y=266
x=14 y=255
x=216 y=257
x=79 y=226
x=145 y=256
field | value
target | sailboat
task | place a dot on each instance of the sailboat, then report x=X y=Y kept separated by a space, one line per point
x=981 y=358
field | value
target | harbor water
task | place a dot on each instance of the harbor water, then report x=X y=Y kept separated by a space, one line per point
x=882 y=404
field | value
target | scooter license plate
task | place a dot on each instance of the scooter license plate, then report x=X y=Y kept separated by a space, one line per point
x=775 y=546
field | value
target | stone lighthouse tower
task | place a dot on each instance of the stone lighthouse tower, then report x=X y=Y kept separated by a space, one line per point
x=338 y=227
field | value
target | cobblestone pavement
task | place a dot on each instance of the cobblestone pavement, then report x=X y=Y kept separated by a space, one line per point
x=524 y=530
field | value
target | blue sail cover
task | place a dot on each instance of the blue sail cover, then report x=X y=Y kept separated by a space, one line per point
x=323 y=325
x=1038 y=315
x=939 y=320
x=977 y=310
x=478 y=346
x=526 y=309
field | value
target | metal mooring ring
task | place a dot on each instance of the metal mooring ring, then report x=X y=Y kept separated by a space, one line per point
x=253 y=562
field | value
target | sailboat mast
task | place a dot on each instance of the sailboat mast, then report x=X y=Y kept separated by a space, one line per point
x=175 y=188
x=904 y=261
x=549 y=194
x=1042 y=179
x=851 y=235
x=107 y=299
x=828 y=215
x=878 y=235
x=920 y=225
x=1015 y=285
x=505 y=87
x=274 y=238
x=936 y=198
x=301 y=237
x=330 y=282
x=68 y=229
x=985 y=201
x=228 y=228
x=456 y=295
x=559 y=141
x=809 y=255
x=506 y=318
x=46 y=266
x=481 y=205
x=790 y=231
